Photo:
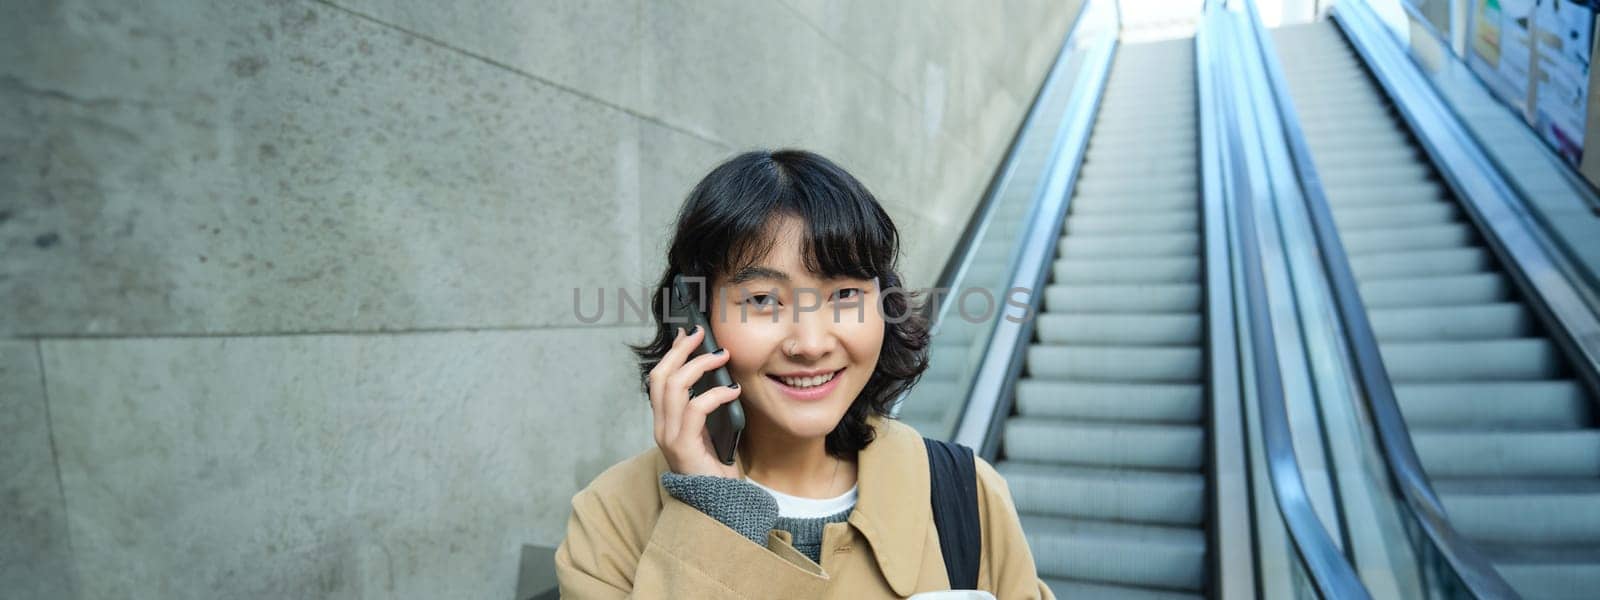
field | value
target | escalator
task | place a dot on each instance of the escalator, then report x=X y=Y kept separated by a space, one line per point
x=1105 y=453
x=1503 y=425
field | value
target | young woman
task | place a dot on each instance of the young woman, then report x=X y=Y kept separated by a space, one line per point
x=827 y=497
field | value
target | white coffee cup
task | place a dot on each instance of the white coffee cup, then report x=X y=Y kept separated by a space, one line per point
x=954 y=595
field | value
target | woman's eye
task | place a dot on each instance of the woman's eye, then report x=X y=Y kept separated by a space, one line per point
x=759 y=300
x=854 y=293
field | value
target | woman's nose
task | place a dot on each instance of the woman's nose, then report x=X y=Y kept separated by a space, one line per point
x=811 y=336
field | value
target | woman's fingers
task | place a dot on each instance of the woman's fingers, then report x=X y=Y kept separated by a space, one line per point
x=693 y=433
x=674 y=392
x=680 y=421
x=702 y=405
x=657 y=380
x=680 y=383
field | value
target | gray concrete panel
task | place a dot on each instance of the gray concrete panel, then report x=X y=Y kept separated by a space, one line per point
x=291 y=167
x=592 y=48
x=671 y=163
x=35 y=549
x=393 y=466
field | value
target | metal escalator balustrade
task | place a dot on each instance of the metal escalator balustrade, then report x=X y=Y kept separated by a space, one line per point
x=1503 y=429
x=985 y=258
x=1105 y=455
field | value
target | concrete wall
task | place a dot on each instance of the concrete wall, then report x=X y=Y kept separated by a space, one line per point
x=286 y=286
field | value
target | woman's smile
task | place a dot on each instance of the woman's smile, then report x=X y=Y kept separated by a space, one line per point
x=808 y=387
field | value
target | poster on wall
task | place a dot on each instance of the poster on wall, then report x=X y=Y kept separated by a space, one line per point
x=1564 y=31
x=1534 y=55
x=1501 y=49
x=1486 y=37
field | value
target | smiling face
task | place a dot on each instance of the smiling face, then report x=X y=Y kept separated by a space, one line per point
x=778 y=320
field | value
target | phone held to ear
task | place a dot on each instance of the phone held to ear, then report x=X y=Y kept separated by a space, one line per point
x=726 y=423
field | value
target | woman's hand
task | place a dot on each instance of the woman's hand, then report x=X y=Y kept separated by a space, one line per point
x=680 y=421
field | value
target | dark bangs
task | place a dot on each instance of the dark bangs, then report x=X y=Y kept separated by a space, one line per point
x=729 y=221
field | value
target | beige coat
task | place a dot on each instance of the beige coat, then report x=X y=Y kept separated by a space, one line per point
x=627 y=537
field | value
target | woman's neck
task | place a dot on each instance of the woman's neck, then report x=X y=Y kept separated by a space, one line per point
x=793 y=465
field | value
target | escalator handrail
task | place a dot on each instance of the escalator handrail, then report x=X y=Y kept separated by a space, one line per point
x=1489 y=199
x=1234 y=562
x=966 y=246
x=1404 y=465
x=964 y=254
x=1330 y=572
x=989 y=398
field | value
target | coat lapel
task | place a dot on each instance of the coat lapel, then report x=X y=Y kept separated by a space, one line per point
x=892 y=509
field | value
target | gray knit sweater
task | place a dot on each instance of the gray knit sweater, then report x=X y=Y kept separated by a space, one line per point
x=748 y=509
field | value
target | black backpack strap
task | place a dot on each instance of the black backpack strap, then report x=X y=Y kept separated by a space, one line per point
x=954 y=482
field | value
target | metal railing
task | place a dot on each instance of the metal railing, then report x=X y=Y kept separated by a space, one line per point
x=1465 y=563
x=1017 y=200
x=1557 y=295
x=988 y=400
x=1246 y=183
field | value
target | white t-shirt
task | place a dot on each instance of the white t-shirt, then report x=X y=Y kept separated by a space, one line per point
x=795 y=507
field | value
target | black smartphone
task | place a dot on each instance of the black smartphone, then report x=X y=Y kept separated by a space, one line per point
x=687 y=306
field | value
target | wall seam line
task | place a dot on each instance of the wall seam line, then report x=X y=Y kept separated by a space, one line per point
x=524 y=73
x=333 y=332
x=55 y=459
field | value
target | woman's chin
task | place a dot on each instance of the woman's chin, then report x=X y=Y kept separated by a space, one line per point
x=809 y=421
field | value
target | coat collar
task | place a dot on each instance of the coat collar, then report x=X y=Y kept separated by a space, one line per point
x=892 y=504
x=892 y=509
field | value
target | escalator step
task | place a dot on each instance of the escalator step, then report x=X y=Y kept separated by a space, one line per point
x=1315 y=128
x=1426 y=237
x=1548 y=573
x=1115 y=363
x=1165 y=138
x=1150 y=297
x=1447 y=290
x=1127 y=270
x=1420 y=263
x=1336 y=140
x=1131 y=246
x=1138 y=168
x=1403 y=215
x=1506 y=405
x=1109 y=401
x=1121 y=329
x=1139 y=152
x=1067 y=588
x=1358 y=194
x=1547 y=511
x=1493 y=453
x=1176 y=182
x=1178 y=221
x=1115 y=553
x=1134 y=202
x=934 y=399
x=1125 y=124
x=1105 y=444
x=1126 y=495
x=1495 y=360
x=1471 y=322
x=1394 y=173
x=1386 y=155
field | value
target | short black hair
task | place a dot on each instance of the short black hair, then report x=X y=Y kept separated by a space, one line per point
x=727 y=223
